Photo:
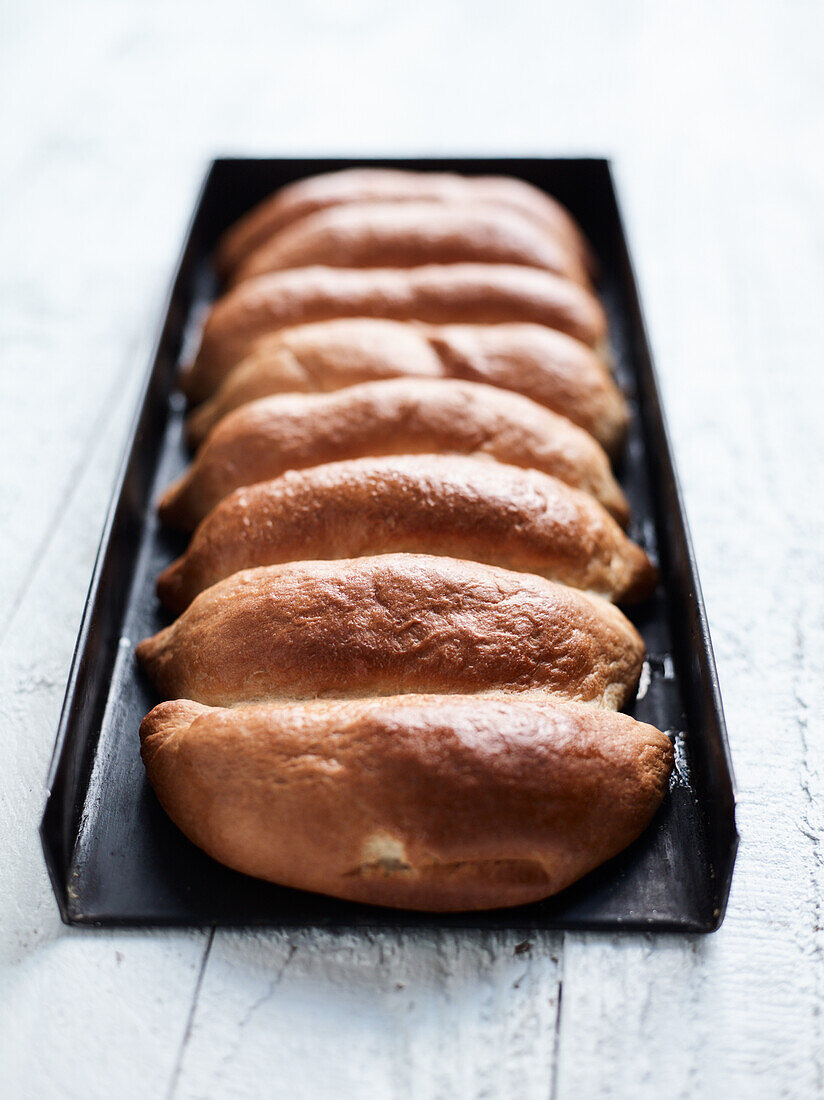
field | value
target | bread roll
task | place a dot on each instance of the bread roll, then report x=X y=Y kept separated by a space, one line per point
x=389 y=625
x=411 y=234
x=356 y=185
x=551 y=368
x=438 y=294
x=438 y=504
x=417 y=802
x=264 y=439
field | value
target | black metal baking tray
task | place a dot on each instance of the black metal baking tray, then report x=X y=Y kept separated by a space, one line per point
x=113 y=855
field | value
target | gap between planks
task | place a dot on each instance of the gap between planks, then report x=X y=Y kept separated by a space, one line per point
x=190 y=1019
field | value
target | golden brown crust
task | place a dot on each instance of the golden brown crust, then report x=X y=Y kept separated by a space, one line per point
x=437 y=504
x=436 y=294
x=540 y=363
x=392 y=624
x=425 y=803
x=395 y=326
x=264 y=439
x=357 y=185
x=411 y=234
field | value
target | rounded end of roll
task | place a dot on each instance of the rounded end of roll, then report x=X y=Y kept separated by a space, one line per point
x=615 y=429
x=198 y=423
x=173 y=508
x=184 y=381
x=192 y=381
x=144 y=651
x=171 y=586
x=166 y=719
x=225 y=258
x=613 y=499
x=151 y=655
x=643 y=576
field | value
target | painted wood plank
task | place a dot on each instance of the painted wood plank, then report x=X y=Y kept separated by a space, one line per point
x=314 y=1013
x=79 y=278
x=714 y=111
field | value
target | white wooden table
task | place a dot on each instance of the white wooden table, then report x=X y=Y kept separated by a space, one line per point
x=712 y=111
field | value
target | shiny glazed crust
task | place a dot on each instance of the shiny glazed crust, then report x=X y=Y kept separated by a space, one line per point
x=437 y=294
x=382 y=691
x=411 y=234
x=438 y=504
x=264 y=439
x=392 y=624
x=357 y=185
x=444 y=803
x=547 y=366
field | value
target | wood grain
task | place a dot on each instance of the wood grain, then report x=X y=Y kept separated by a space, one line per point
x=713 y=113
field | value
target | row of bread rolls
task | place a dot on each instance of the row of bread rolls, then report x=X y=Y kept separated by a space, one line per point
x=437 y=294
x=400 y=416
x=548 y=366
x=397 y=665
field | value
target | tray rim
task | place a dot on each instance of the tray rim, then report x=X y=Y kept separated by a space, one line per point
x=58 y=874
x=153 y=347
x=700 y=604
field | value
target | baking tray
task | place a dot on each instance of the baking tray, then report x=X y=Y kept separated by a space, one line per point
x=114 y=856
